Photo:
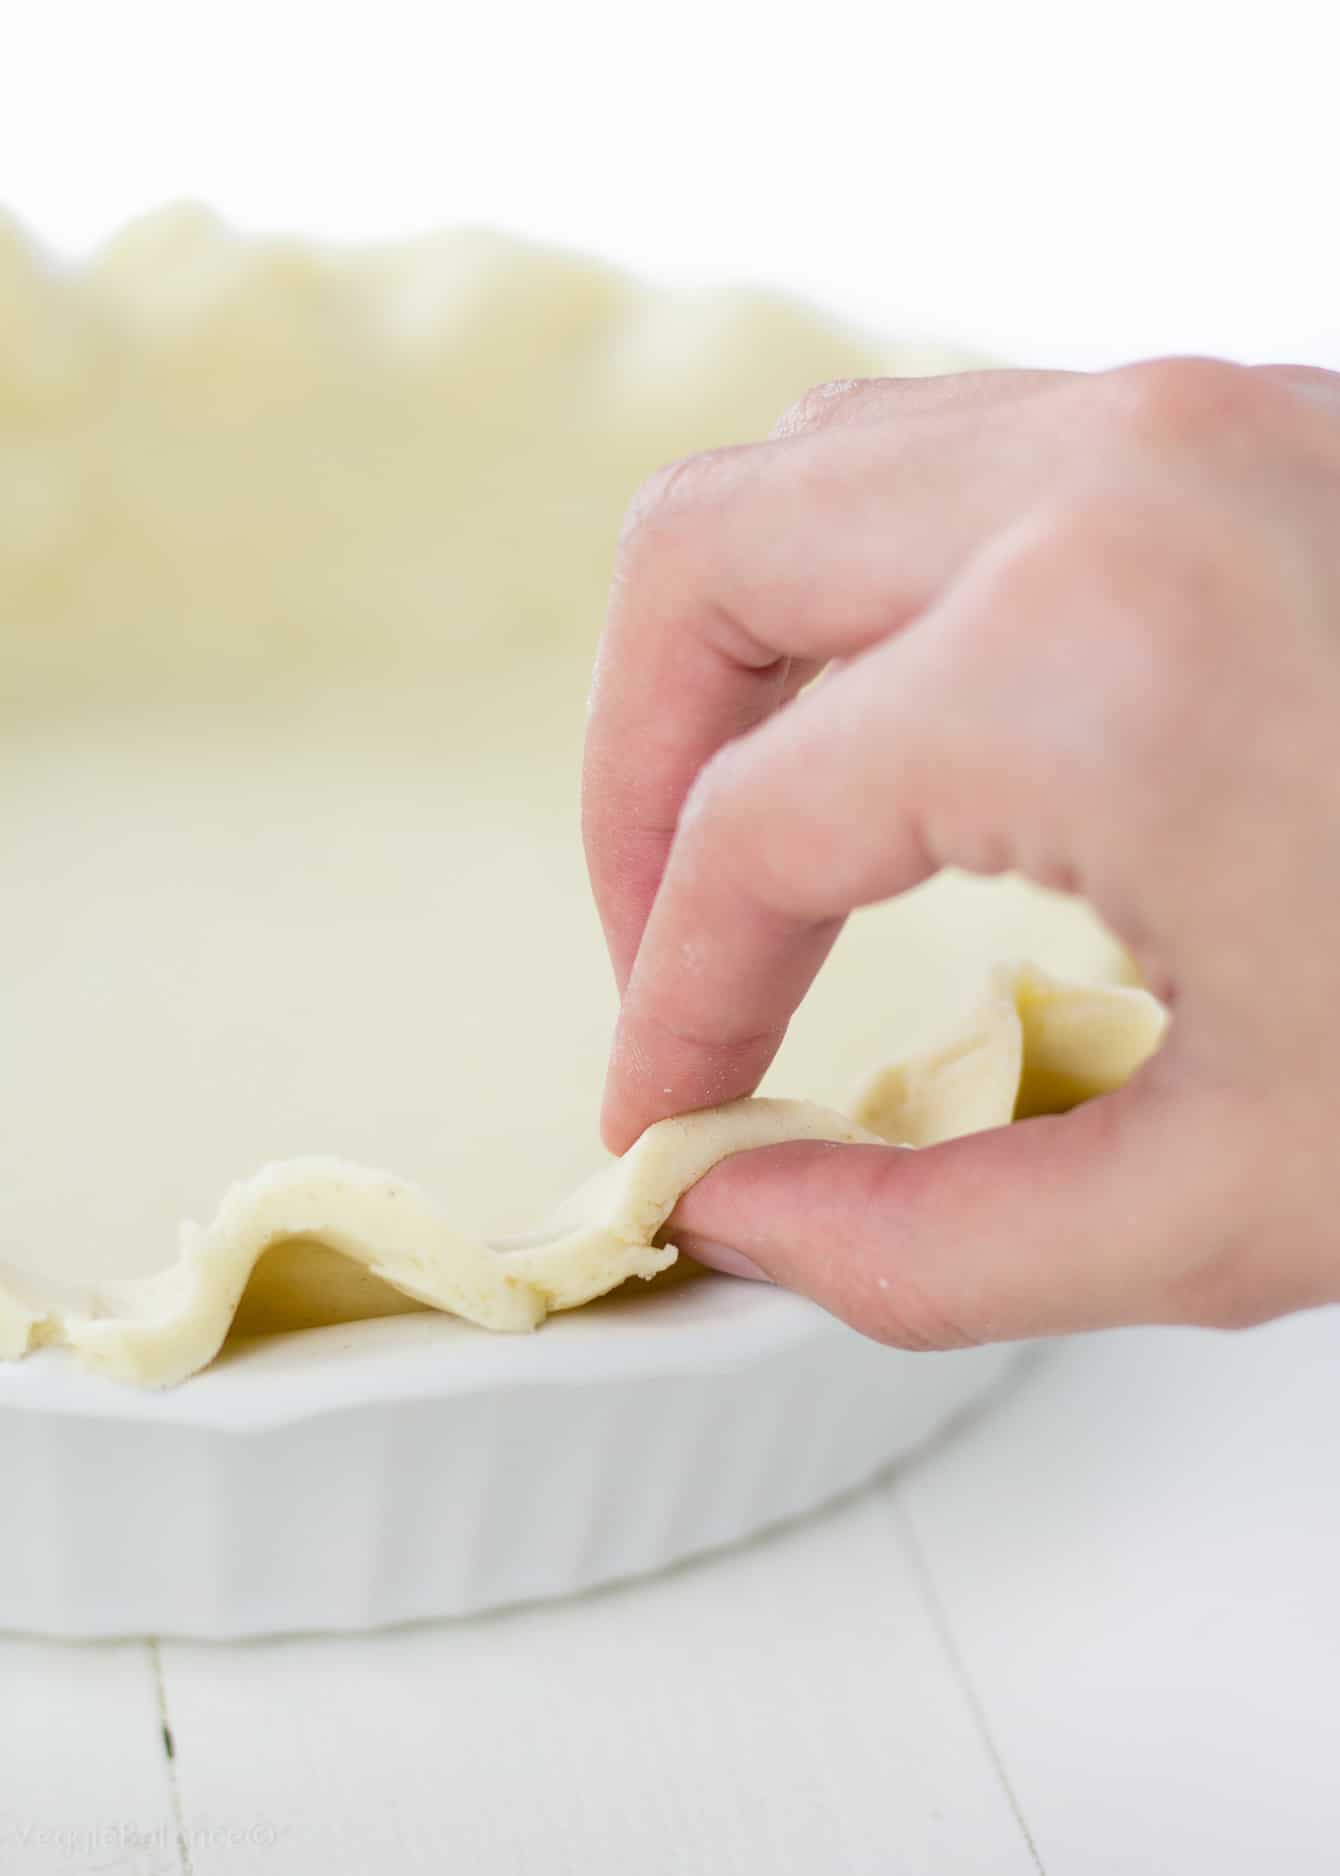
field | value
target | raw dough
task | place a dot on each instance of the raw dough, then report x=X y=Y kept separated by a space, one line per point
x=1037 y=1043
x=302 y=559
x=160 y=1329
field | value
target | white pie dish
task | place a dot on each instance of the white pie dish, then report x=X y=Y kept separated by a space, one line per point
x=355 y=1476
x=298 y=607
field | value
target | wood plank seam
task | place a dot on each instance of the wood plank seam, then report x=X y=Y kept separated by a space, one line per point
x=935 y=1610
x=168 y=1740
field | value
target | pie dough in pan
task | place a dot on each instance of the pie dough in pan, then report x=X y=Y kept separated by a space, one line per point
x=303 y=556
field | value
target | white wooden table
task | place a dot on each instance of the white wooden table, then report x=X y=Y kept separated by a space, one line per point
x=1097 y=1631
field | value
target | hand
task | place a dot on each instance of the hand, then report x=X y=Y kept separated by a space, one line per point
x=1085 y=627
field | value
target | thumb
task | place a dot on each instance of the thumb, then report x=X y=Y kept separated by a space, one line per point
x=1112 y=1213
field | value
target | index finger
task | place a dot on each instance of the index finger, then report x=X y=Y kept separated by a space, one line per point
x=951 y=744
x=739 y=572
x=676 y=676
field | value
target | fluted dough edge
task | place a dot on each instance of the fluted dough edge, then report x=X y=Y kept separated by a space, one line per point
x=1034 y=1044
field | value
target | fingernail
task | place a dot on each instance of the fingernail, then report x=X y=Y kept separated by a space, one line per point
x=719 y=1256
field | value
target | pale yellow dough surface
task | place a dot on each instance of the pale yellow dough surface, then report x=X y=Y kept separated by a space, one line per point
x=302 y=561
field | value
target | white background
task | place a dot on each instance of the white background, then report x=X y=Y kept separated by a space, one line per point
x=1061 y=181
x=1100 y=1633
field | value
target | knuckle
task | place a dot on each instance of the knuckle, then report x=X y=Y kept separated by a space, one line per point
x=730 y=834
x=1316 y=379
x=1029 y=575
x=1095 y=637
x=1194 y=401
x=1231 y=1311
x=1136 y=591
x=653 y=497
x=1227 y=1287
x=710 y=816
x=1265 y=1249
x=820 y=406
x=1231 y=1245
x=713 y=785
x=674 y=489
